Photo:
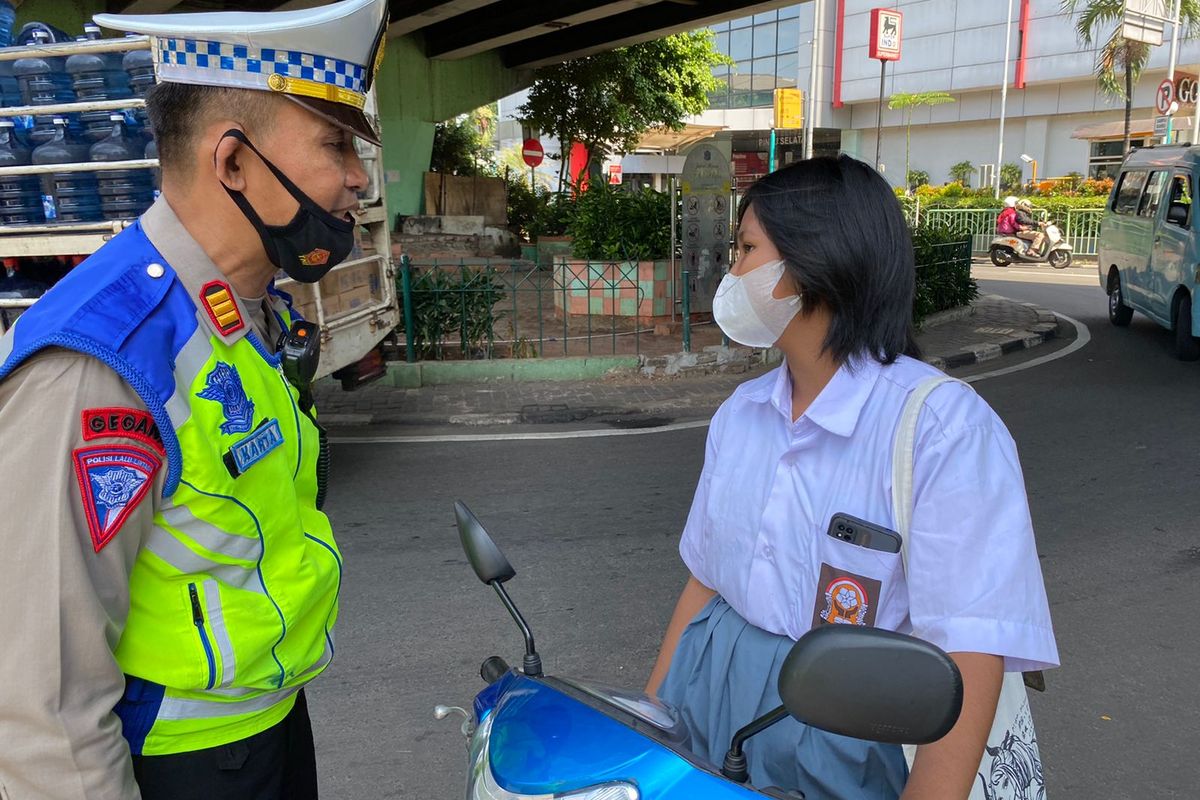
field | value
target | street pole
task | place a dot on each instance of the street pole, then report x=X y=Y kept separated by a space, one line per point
x=1173 y=59
x=1004 y=95
x=810 y=121
x=879 y=118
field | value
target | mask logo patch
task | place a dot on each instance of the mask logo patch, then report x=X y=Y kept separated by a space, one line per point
x=112 y=481
x=317 y=258
x=224 y=386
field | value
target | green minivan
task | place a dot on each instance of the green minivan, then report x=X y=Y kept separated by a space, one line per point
x=1149 y=249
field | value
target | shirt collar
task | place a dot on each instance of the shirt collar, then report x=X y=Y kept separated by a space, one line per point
x=220 y=307
x=839 y=405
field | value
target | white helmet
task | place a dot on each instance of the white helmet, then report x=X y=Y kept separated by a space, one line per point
x=1010 y=201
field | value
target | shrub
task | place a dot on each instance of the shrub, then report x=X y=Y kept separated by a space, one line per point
x=553 y=215
x=454 y=304
x=523 y=206
x=962 y=172
x=611 y=224
x=917 y=177
x=943 y=279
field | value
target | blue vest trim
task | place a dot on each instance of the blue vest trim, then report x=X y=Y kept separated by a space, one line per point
x=133 y=377
x=109 y=308
x=138 y=709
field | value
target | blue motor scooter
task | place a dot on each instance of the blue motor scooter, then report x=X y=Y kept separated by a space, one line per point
x=536 y=737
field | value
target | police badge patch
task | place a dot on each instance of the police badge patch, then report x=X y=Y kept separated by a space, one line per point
x=224 y=386
x=113 y=479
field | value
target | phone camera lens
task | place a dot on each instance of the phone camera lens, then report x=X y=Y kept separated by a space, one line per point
x=841 y=527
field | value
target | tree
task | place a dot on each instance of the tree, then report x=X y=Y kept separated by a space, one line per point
x=917 y=177
x=1011 y=174
x=910 y=100
x=1120 y=61
x=463 y=145
x=608 y=101
x=962 y=172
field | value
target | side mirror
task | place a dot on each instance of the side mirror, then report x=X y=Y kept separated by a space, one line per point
x=871 y=684
x=1178 y=214
x=489 y=563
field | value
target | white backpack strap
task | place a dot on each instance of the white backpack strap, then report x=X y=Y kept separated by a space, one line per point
x=903 y=453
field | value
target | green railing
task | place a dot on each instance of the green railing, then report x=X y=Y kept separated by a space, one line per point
x=1080 y=227
x=484 y=309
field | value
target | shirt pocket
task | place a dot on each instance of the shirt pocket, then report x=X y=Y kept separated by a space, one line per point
x=854 y=586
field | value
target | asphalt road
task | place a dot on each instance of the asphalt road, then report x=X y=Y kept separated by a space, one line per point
x=1107 y=437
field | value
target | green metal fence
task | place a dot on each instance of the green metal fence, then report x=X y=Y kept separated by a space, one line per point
x=489 y=308
x=1080 y=227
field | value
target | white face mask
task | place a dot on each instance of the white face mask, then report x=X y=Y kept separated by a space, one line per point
x=746 y=308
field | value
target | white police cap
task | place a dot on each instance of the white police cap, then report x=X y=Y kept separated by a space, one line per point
x=324 y=58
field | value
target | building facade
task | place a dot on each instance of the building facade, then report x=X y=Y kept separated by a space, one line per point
x=1055 y=113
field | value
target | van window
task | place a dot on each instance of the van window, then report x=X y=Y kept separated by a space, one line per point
x=1129 y=191
x=1181 y=195
x=1148 y=207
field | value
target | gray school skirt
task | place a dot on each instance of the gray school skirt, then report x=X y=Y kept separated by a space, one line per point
x=725 y=673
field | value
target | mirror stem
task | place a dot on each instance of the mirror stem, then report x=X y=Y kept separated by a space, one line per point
x=532 y=664
x=735 y=767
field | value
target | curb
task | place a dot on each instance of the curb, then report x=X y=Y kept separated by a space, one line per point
x=403 y=375
x=1045 y=329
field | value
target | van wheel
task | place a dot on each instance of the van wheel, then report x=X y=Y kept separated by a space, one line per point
x=1001 y=256
x=1119 y=314
x=1060 y=259
x=1187 y=347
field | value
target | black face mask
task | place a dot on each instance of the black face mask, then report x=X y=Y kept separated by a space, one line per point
x=313 y=243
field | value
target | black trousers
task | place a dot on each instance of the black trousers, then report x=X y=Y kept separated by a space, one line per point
x=277 y=764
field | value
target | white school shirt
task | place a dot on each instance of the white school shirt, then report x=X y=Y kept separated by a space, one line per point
x=756 y=533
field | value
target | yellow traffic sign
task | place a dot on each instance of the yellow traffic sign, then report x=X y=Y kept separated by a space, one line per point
x=789 y=109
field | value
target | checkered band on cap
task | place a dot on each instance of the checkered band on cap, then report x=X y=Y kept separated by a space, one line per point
x=224 y=64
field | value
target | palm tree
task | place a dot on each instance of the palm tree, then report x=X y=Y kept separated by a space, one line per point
x=1119 y=61
x=910 y=100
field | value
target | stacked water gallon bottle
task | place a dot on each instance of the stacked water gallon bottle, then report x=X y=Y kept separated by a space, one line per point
x=94 y=135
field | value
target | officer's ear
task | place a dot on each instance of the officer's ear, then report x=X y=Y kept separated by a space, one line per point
x=228 y=161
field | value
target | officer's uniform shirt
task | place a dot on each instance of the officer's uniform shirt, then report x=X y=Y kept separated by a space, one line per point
x=757 y=530
x=64 y=604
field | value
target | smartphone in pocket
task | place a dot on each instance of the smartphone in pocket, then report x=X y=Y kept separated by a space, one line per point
x=853 y=530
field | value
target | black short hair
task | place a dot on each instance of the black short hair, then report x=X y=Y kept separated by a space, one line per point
x=178 y=112
x=840 y=229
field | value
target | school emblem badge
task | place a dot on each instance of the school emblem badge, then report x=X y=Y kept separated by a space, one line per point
x=844 y=598
x=113 y=479
x=224 y=386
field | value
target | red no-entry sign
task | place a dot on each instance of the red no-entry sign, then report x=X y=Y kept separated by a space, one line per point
x=532 y=152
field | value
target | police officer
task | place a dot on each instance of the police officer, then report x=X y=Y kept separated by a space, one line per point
x=168 y=584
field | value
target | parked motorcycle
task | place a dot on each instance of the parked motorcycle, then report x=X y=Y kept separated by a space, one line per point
x=536 y=737
x=1055 y=250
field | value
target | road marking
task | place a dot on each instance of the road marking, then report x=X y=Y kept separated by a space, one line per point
x=1082 y=337
x=518 y=437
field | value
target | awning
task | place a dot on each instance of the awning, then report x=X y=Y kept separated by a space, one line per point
x=1116 y=130
x=667 y=139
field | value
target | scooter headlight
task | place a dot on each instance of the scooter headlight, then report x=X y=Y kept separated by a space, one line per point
x=481 y=784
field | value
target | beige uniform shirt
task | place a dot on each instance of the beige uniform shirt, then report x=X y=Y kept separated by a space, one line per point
x=62 y=604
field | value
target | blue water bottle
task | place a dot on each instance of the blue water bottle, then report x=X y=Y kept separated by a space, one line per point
x=67 y=196
x=126 y=193
x=20 y=195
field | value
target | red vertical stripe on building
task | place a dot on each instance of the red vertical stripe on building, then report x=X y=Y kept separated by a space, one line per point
x=837 y=52
x=1023 y=45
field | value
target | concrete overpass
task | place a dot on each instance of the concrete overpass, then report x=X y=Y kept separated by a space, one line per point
x=446 y=57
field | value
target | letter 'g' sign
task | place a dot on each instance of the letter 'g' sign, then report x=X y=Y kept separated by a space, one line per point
x=886 y=29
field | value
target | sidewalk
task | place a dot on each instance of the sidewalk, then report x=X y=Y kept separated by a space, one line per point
x=991 y=328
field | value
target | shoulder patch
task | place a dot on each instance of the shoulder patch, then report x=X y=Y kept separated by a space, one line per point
x=121 y=423
x=217 y=299
x=113 y=479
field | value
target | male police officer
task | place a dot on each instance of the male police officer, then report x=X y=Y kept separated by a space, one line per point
x=167 y=582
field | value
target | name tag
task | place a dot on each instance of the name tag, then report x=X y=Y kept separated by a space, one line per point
x=255 y=447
